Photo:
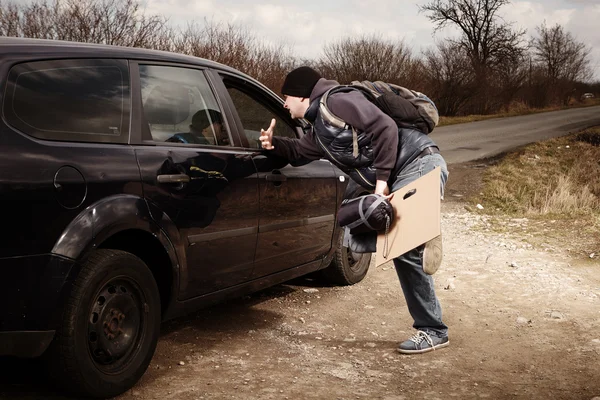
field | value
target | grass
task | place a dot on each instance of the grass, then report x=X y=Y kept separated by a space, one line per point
x=555 y=177
x=555 y=184
x=516 y=110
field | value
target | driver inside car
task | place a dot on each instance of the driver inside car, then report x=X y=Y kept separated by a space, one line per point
x=206 y=126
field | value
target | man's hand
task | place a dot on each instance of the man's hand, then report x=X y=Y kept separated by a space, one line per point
x=382 y=189
x=266 y=137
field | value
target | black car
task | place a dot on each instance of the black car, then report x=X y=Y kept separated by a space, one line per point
x=134 y=191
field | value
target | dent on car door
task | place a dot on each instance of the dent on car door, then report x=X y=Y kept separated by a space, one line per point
x=297 y=204
x=193 y=174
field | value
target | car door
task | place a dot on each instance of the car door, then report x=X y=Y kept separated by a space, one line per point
x=194 y=172
x=297 y=204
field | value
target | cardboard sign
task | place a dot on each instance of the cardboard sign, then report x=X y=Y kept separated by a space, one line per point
x=417 y=217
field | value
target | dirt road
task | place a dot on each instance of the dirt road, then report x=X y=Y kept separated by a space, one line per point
x=524 y=324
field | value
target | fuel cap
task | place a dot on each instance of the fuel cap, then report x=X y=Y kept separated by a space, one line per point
x=70 y=187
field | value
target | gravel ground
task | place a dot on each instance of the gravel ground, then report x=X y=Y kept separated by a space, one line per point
x=524 y=324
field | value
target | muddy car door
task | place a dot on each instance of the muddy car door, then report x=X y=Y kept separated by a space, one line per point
x=195 y=177
x=297 y=204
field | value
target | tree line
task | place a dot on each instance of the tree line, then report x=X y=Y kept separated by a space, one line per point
x=490 y=67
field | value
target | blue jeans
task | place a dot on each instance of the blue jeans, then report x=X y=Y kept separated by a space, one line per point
x=417 y=286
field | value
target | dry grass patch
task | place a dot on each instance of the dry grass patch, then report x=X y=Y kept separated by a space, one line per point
x=559 y=176
x=556 y=184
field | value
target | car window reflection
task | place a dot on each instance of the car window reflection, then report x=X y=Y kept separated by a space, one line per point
x=180 y=107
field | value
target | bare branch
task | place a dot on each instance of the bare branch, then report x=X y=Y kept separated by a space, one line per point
x=367 y=58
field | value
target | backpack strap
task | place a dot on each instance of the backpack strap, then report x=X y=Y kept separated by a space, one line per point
x=326 y=113
x=336 y=121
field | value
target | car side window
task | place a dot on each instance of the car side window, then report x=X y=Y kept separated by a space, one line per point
x=255 y=115
x=70 y=100
x=180 y=107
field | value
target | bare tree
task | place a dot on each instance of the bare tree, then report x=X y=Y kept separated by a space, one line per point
x=508 y=80
x=367 y=58
x=115 y=22
x=486 y=38
x=227 y=44
x=562 y=58
x=489 y=42
x=9 y=19
x=450 y=78
x=238 y=47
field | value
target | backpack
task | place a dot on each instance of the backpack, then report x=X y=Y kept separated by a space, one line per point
x=408 y=108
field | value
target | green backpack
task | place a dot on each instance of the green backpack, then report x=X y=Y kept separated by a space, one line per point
x=408 y=108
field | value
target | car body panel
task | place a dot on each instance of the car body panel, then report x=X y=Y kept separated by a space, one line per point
x=30 y=291
x=216 y=213
x=297 y=217
x=33 y=196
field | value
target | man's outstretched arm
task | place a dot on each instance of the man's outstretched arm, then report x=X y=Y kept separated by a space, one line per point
x=296 y=151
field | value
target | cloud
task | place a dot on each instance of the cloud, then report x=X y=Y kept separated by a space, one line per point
x=179 y=11
x=529 y=15
x=584 y=25
x=584 y=2
x=310 y=24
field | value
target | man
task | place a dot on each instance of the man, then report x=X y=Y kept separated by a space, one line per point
x=205 y=127
x=378 y=155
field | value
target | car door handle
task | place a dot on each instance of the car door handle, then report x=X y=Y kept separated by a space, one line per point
x=276 y=176
x=175 y=178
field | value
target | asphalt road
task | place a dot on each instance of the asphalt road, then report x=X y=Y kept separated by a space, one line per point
x=482 y=139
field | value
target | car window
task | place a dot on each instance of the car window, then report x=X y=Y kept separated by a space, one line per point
x=74 y=100
x=180 y=107
x=255 y=115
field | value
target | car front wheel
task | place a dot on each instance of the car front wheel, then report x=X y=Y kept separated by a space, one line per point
x=110 y=326
x=347 y=267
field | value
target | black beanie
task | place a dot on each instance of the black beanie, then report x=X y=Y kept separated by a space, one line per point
x=300 y=82
x=203 y=118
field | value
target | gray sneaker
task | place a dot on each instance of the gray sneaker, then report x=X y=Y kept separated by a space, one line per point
x=432 y=255
x=422 y=342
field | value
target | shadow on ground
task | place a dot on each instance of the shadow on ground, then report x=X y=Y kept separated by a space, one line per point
x=23 y=379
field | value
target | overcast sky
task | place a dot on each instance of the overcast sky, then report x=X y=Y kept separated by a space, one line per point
x=307 y=24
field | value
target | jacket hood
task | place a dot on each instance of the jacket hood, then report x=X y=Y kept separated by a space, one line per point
x=318 y=91
x=321 y=87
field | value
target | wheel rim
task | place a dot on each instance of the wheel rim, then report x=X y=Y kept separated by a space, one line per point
x=353 y=259
x=116 y=324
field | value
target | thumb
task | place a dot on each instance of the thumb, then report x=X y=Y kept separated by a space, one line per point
x=388 y=197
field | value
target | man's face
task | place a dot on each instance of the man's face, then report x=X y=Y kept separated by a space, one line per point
x=296 y=105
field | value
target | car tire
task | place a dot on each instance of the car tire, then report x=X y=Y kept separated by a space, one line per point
x=346 y=268
x=109 y=326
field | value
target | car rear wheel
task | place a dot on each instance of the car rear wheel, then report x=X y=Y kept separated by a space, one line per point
x=110 y=326
x=347 y=267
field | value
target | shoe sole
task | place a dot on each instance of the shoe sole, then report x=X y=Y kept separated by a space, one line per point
x=432 y=255
x=427 y=350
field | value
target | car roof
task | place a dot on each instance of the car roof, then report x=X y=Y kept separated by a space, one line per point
x=79 y=49
x=64 y=49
